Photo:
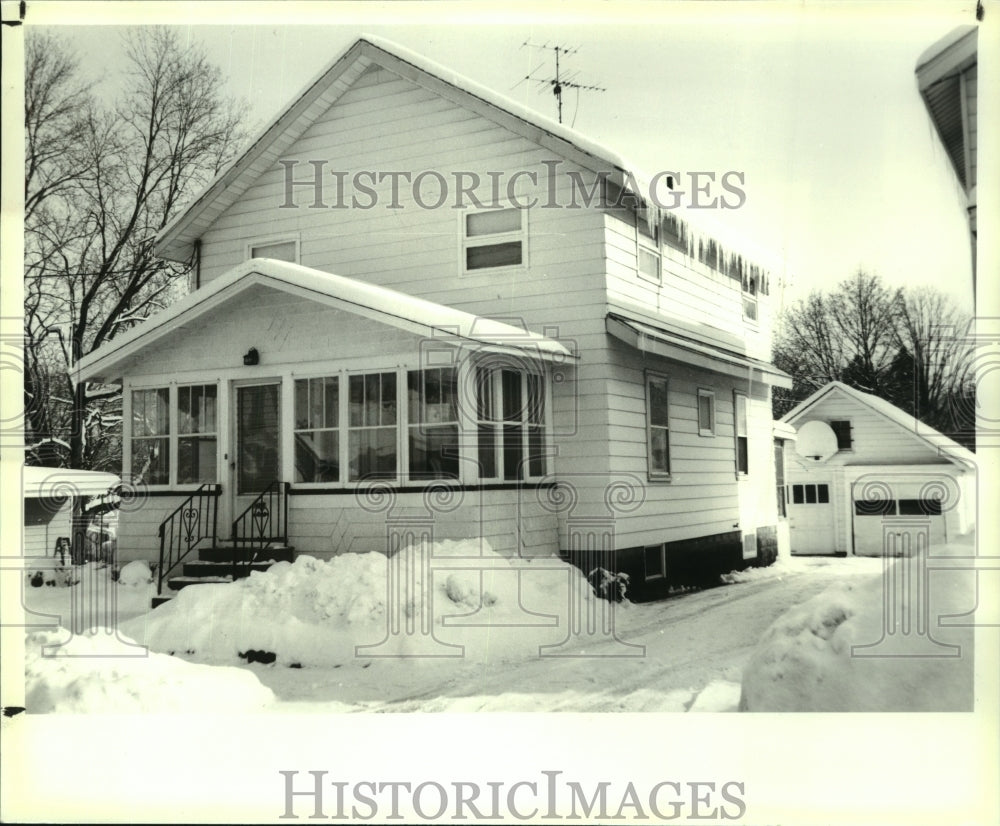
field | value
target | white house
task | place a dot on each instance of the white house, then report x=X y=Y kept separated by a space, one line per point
x=864 y=472
x=418 y=306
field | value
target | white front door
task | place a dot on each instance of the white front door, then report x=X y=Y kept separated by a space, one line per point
x=810 y=517
x=257 y=449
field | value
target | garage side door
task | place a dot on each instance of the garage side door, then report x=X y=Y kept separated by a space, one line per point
x=810 y=517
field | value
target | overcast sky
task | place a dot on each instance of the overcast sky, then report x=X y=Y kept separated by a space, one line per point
x=818 y=109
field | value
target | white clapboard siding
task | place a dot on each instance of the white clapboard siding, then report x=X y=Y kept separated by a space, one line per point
x=875 y=439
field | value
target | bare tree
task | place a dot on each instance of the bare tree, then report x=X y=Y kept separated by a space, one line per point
x=908 y=346
x=101 y=181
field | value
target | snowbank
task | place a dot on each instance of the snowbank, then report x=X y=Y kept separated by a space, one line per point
x=102 y=673
x=839 y=652
x=314 y=612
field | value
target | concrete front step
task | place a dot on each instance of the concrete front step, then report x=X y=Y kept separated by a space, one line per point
x=226 y=553
x=203 y=568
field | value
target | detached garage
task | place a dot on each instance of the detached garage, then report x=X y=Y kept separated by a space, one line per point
x=865 y=476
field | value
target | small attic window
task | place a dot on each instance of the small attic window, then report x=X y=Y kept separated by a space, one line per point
x=842 y=429
x=281 y=250
x=493 y=239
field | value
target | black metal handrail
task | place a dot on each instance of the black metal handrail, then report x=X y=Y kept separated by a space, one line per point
x=263 y=522
x=195 y=519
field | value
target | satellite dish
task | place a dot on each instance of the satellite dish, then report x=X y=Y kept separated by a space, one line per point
x=816 y=441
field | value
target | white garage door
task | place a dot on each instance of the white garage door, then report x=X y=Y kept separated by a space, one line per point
x=810 y=518
x=902 y=517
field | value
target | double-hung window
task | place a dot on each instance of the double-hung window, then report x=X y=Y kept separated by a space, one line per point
x=647 y=248
x=657 y=426
x=151 y=436
x=317 y=434
x=510 y=418
x=432 y=405
x=372 y=431
x=740 y=429
x=493 y=238
x=197 y=433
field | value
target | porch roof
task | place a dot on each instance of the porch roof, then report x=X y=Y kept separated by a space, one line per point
x=677 y=347
x=380 y=304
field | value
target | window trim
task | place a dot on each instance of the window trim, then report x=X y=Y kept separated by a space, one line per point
x=704 y=393
x=652 y=474
x=466 y=242
x=294 y=238
x=737 y=395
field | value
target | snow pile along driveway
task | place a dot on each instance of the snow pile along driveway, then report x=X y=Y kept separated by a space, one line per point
x=100 y=672
x=314 y=612
x=871 y=646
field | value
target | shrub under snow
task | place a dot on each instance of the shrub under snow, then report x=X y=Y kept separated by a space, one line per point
x=135 y=573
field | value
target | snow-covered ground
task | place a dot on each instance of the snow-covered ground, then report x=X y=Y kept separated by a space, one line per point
x=686 y=653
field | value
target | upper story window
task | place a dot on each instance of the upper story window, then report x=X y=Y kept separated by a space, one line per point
x=657 y=426
x=285 y=249
x=842 y=429
x=750 y=299
x=647 y=248
x=493 y=238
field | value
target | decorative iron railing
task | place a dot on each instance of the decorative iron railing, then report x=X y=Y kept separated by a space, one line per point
x=265 y=521
x=194 y=520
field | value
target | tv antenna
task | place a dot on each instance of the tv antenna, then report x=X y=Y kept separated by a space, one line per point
x=559 y=82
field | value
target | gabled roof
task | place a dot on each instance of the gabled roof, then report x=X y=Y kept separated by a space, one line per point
x=942 y=445
x=380 y=304
x=51 y=482
x=176 y=241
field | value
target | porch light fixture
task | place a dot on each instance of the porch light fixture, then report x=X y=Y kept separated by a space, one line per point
x=251 y=357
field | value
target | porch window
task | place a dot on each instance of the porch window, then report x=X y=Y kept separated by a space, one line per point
x=317 y=435
x=432 y=404
x=371 y=432
x=197 y=427
x=657 y=426
x=706 y=413
x=493 y=238
x=151 y=436
x=740 y=427
x=510 y=414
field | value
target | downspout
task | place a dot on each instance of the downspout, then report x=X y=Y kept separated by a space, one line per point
x=197 y=264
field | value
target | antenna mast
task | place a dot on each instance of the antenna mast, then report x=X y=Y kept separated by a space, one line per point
x=559 y=82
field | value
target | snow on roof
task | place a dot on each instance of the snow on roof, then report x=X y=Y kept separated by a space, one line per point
x=231 y=182
x=49 y=482
x=783 y=430
x=943 y=44
x=941 y=444
x=382 y=304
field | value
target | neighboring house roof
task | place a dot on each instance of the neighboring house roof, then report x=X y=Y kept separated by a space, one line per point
x=380 y=304
x=51 y=482
x=942 y=445
x=939 y=71
x=176 y=240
